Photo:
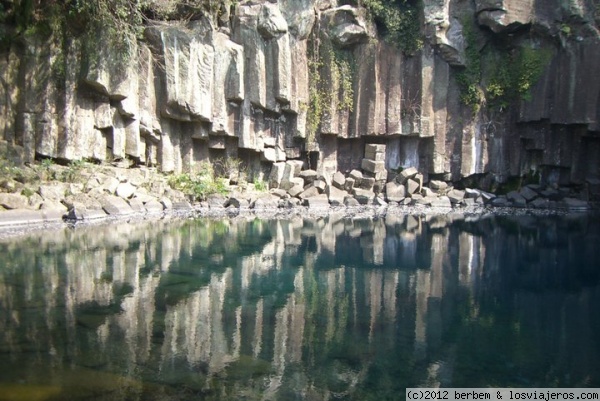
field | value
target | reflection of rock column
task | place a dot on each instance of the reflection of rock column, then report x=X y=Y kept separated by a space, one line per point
x=330 y=279
x=218 y=351
x=291 y=230
x=438 y=255
x=127 y=273
x=465 y=256
x=289 y=332
x=379 y=235
x=282 y=322
x=327 y=238
x=237 y=335
x=297 y=316
x=423 y=289
x=390 y=286
x=258 y=326
x=471 y=256
x=87 y=279
x=169 y=251
x=51 y=284
x=194 y=327
x=439 y=247
x=203 y=340
x=374 y=296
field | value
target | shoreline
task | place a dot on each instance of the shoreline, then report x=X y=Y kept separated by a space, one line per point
x=26 y=222
x=65 y=196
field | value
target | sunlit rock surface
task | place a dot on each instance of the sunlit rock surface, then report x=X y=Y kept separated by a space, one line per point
x=244 y=85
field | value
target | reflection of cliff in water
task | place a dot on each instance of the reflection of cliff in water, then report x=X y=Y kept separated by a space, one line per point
x=308 y=308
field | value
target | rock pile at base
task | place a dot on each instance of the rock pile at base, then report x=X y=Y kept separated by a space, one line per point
x=103 y=192
x=373 y=185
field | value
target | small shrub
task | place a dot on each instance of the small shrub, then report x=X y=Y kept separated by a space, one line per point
x=28 y=192
x=45 y=170
x=201 y=184
x=73 y=172
x=260 y=185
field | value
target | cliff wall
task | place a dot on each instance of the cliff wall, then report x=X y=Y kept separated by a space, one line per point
x=496 y=89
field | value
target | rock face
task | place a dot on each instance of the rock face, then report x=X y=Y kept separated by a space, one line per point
x=312 y=82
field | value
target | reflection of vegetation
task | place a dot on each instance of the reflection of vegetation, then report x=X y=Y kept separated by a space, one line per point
x=344 y=331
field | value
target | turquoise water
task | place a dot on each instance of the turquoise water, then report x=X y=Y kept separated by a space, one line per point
x=299 y=309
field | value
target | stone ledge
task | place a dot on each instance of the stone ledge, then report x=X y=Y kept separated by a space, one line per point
x=20 y=217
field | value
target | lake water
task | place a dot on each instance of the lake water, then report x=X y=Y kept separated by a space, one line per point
x=299 y=309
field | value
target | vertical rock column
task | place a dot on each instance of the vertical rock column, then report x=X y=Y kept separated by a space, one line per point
x=373 y=164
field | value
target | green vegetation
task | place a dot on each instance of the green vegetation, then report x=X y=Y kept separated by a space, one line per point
x=260 y=185
x=343 y=70
x=16 y=177
x=120 y=20
x=512 y=72
x=469 y=79
x=201 y=184
x=316 y=99
x=341 y=66
x=398 y=20
x=8 y=168
x=229 y=168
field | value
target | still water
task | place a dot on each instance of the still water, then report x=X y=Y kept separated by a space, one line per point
x=299 y=309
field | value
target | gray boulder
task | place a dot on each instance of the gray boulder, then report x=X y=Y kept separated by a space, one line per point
x=336 y=196
x=350 y=201
x=395 y=192
x=317 y=202
x=516 y=198
x=412 y=187
x=266 y=202
x=181 y=205
x=115 y=206
x=154 y=206
x=456 y=195
x=309 y=193
x=309 y=176
x=438 y=185
x=136 y=205
x=349 y=185
x=295 y=191
x=441 y=202
x=239 y=202
x=216 y=201
x=500 y=201
x=405 y=174
x=338 y=180
x=528 y=193
x=125 y=190
x=575 y=204
x=363 y=196
x=54 y=191
x=13 y=201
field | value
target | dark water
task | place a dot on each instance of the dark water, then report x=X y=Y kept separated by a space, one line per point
x=339 y=309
